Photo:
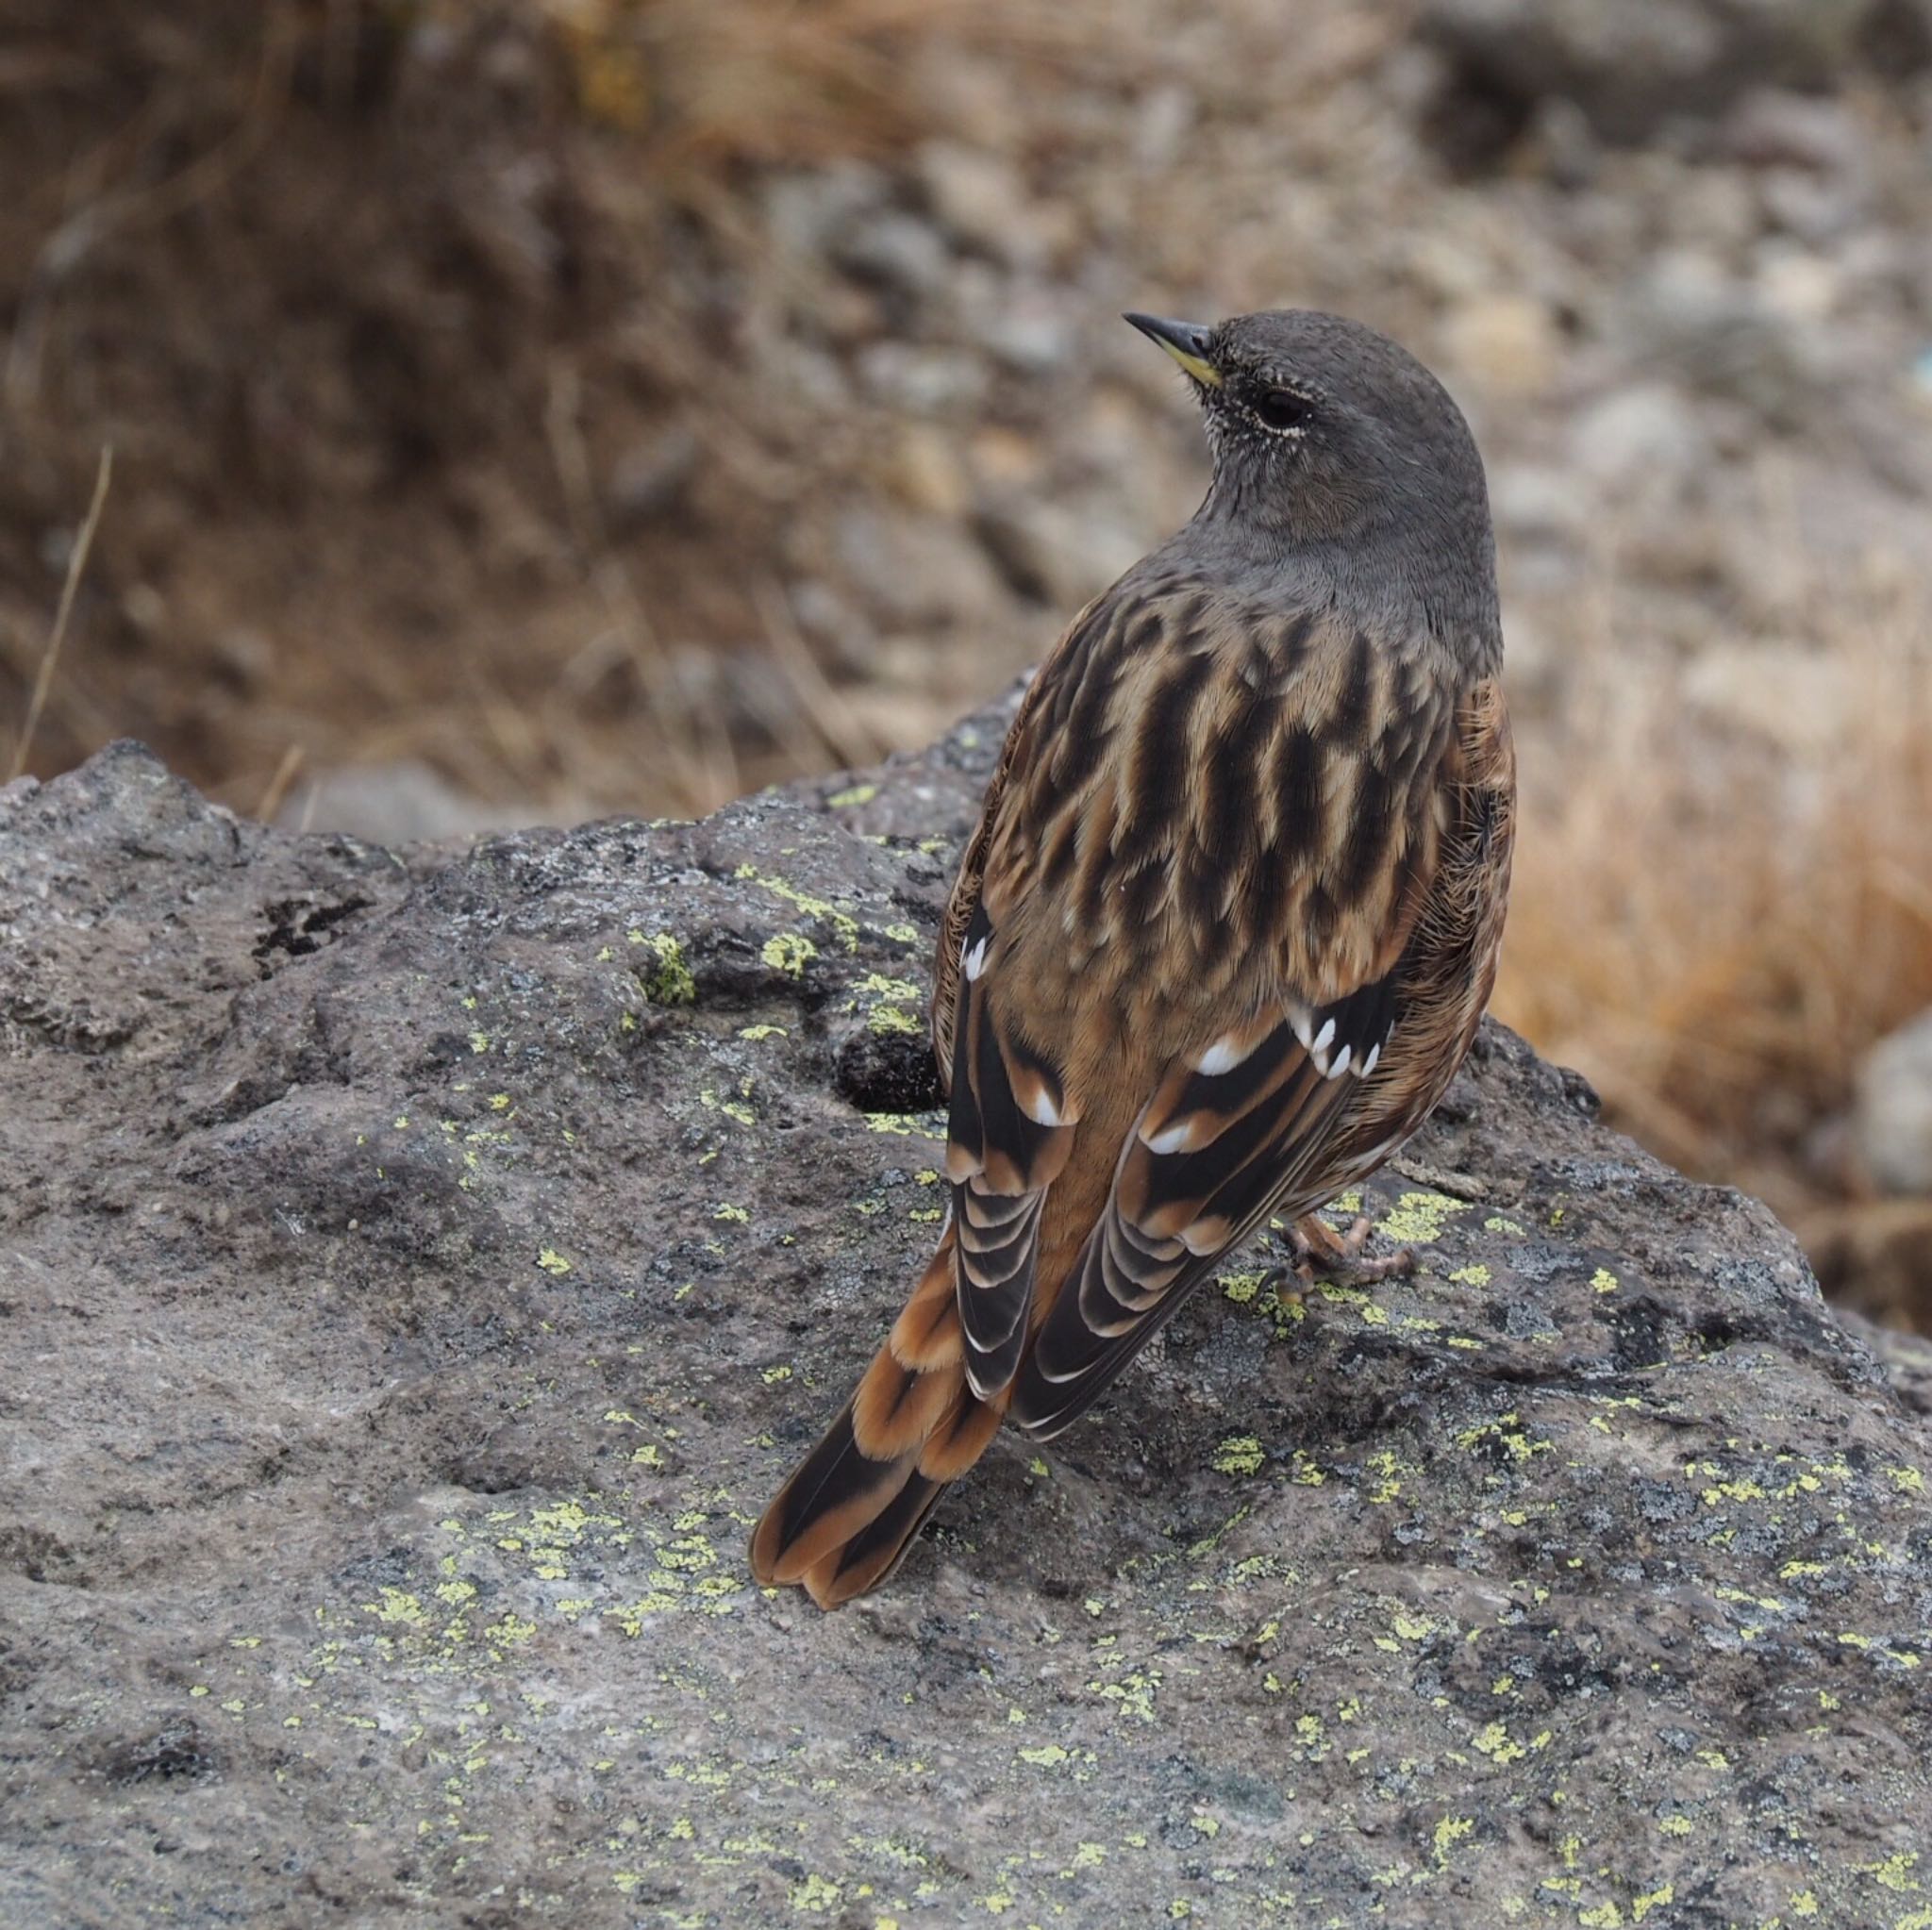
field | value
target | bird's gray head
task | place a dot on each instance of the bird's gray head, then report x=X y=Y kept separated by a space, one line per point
x=1324 y=431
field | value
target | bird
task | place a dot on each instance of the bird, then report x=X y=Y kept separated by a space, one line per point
x=1225 y=927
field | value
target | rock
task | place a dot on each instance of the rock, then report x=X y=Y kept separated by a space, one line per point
x=652 y=478
x=893 y=250
x=1773 y=127
x=1719 y=335
x=1508 y=343
x=806 y=208
x=915 y=569
x=416 y=1273
x=981 y=200
x=1057 y=553
x=1643 y=435
x=1029 y=333
x=1538 y=501
x=923 y=381
x=399 y=802
x=1630 y=69
x=927 y=472
x=1802 y=700
x=1892 y=1122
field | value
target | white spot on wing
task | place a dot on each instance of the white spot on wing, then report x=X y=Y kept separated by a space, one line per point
x=1368 y=1065
x=1222 y=1056
x=1339 y=1064
x=1043 y=1111
x=974 y=962
x=1173 y=1140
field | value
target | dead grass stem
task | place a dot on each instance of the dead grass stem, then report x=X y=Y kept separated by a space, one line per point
x=50 y=658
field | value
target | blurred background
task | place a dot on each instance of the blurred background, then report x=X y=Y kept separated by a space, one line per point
x=526 y=412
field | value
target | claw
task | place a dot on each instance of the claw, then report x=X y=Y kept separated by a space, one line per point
x=1320 y=1252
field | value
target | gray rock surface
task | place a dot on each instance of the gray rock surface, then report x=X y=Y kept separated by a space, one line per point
x=415 y=1270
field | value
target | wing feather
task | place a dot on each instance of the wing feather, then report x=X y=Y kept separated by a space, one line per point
x=1011 y=1134
x=1229 y=1133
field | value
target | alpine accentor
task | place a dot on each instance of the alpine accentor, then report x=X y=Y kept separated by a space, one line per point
x=1225 y=928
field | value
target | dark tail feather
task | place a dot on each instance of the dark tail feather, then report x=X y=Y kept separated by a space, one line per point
x=872 y=1554
x=835 y=1492
x=845 y=1518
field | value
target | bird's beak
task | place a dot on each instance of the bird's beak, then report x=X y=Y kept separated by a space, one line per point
x=1186 y=342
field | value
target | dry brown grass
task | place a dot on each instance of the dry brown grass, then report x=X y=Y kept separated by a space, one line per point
x=1713 y=925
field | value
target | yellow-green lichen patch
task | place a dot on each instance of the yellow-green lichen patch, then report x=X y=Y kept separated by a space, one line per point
x=552 y=1261
x=669 y=981
x=844 y=926
x=878 y=985
x=907 y=1125
x=1495 y=1741
x=1506 y=1433
x=893 y=1019
x=1604 y=1281
x=815 y=1895
x=789 y=953
x=758 y=1032
x=738 y=1109
x=1132 y=1690
x=1418 y=1218
x=1241 y=1454
x=1894 y=1872
x=852 y=794
x=1475 y=1275
x=901 y=934
x=1387 y=1472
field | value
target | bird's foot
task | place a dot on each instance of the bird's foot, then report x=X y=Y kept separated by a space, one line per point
x=1322 y=1254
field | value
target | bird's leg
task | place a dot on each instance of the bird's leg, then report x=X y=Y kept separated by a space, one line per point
x=1321 y=1253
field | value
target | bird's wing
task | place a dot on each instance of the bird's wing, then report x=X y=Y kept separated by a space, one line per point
x=1231 y=1132
x=1341 y=871
x=1451 y=963
x=1003 y=1055
x=1011 y=1132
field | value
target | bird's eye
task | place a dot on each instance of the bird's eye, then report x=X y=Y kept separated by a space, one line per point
x=1282 y=408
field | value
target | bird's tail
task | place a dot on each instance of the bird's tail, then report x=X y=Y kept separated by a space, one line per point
x=844 y=1520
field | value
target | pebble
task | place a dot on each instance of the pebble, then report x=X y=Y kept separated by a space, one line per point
x=895 y=250
x=923 y=381
x=1058 y=555
x=652 y=478
x=404 y=802
x=1508 y=343
x=915 y=569
x=1640 y=432
x=1892 y=1117
x=980 y=199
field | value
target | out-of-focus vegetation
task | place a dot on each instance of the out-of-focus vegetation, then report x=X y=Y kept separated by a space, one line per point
x=526 y=410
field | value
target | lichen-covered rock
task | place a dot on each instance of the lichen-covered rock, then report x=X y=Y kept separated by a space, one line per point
x=414 y=1272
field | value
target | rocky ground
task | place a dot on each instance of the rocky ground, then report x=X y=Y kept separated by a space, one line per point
x=418 y=1268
